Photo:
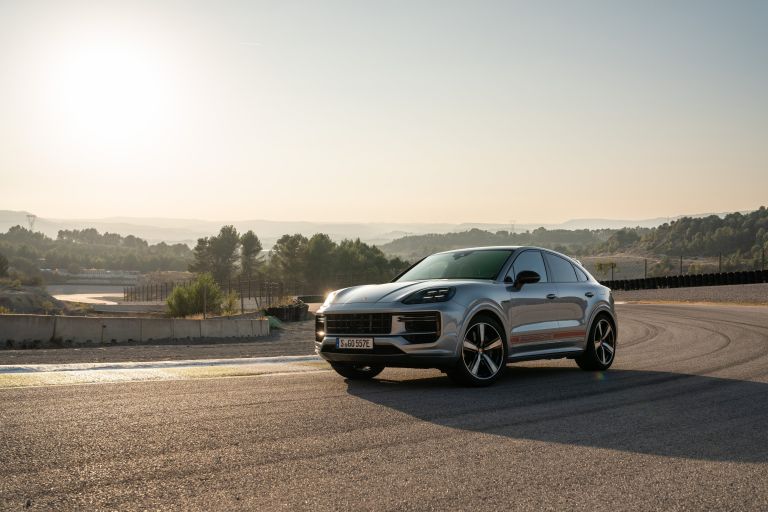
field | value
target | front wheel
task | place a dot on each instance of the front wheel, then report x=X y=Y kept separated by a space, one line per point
x=601 y=347
x=357 y=371
x=483 y=354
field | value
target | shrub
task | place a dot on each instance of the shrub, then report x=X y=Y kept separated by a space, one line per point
x=230 y=304
x=189 y=300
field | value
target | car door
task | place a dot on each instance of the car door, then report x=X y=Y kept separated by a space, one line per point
x=571 y=302
x=531 y=318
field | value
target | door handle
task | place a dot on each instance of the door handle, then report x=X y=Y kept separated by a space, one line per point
x=589 y=294
x=551 y=296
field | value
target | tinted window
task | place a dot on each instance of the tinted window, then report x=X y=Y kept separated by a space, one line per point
x=484 y=264
x=562 y=270
x=580 y=274
x=530 y=260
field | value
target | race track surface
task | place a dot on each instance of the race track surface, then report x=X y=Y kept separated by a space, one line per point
x=679 y=423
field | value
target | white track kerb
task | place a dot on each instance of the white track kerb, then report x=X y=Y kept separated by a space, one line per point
x=87 y=373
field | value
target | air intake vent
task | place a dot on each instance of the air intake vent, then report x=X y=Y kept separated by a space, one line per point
x=420 y=327
x=358 y=323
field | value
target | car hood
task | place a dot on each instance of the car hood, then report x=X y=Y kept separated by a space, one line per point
x=389 y=292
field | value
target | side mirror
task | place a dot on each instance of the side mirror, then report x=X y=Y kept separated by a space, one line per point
x=526 y=277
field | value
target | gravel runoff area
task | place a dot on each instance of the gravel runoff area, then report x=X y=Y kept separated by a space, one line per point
x=732 y=294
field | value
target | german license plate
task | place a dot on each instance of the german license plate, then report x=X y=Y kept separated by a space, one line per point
x=354 y=343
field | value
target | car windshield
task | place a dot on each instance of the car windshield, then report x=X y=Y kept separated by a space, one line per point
x=480 y=264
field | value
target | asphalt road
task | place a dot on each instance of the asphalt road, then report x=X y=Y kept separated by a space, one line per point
x=679 y=423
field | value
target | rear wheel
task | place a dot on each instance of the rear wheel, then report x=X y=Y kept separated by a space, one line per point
x=357 y=371
x=483 y=354
x=601 y=347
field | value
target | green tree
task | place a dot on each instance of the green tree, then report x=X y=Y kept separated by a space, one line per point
x=3 y=266
x=224 y=252
x=250 y=247
x=360 y=263
x=203 y=294
x=320 y=263
x=289 y=256
x=201 y=257
x=396 y=266
x=217 y=254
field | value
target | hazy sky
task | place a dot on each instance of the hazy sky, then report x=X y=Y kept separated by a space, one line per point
x=465 y=111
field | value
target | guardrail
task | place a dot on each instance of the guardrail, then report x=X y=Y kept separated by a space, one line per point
x=689 y=280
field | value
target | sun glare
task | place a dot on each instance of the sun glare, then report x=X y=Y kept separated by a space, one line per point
x=109 y=95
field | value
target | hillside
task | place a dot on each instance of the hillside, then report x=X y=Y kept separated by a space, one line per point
x=187 y=231
x=72 y=250
x=573 y=241
x=738 y=237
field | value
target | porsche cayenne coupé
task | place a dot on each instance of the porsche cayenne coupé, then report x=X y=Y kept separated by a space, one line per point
x=469 y=312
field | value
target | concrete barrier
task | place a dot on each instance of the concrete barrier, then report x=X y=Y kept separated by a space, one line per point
x=78 y=329
x=229 y=329
x=211 y=328
x=224 y=328
x=120 y=329
x=186 y=329
x=260 y=327
x=21 y=328
x=244 y=328
x=156 y=329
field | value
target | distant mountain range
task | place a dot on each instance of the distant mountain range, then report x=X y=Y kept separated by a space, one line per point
x=189 y=230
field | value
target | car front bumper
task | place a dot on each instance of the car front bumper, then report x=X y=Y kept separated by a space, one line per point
x=388 y=351
x=395 y=350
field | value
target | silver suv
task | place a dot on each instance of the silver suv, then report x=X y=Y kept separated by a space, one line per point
x=469 y=312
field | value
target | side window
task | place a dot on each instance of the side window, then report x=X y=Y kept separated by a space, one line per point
x=582 y=277
x=562 y=270
x=530 y=260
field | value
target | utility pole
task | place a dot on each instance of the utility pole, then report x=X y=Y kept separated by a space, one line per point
x=205 y=299
x=645 y=272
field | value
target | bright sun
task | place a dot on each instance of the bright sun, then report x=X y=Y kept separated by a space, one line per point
x=108 y=95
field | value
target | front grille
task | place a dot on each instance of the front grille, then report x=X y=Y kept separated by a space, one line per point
x=358 y=323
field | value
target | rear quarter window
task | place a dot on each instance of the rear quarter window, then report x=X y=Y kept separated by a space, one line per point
x=562 y=271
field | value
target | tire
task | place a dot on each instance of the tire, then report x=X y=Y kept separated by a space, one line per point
x=601 y=346
x=357 y=371
x=483 y=356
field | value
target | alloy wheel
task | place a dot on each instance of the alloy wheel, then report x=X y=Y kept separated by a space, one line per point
x=604 y=341
x=483 y=351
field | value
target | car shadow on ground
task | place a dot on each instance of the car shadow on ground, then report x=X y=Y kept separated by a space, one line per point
x=646 y=412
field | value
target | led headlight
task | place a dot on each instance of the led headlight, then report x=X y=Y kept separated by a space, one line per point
x=431 y=295
x=319 y=327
